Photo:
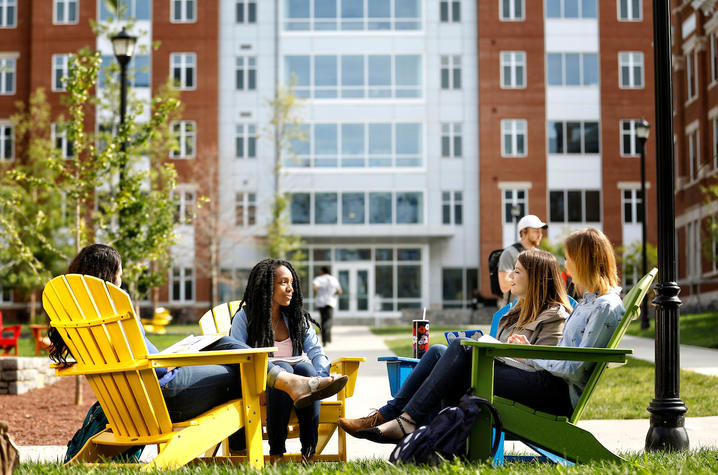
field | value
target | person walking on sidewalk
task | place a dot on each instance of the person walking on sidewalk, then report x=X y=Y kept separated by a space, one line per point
x=326 y=289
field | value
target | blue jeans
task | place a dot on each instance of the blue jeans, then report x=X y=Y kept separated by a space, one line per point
x=411 y=384
x=279 y=407
x=451 y=378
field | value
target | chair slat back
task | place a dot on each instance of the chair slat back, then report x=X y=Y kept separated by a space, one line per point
x=218 y=320
x=98 y=323
x=632 y=305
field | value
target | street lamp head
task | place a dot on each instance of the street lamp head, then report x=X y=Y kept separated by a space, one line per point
x=643 y=129
x=123 y=44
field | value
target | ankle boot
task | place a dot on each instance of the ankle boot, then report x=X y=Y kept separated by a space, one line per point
x=351 y=426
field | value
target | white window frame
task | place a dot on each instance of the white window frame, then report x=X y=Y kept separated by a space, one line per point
x=184 y=62
x=244 y=5
x=512 y=10
x=60 y=71
x=513 y=60
x=629 y=8
x=6 y=22
x=514 y=200
x=691 y=76
x=631 y=60
x=184 y=135
x=181 y=275
x=452 y=133
x=454 y=199
x=635 y=203
x=4 y=128
x=66 y=10
x=247 y=133
x=247 y=69
x=8 y=75
x=693 y=140
x=453 y=10
x=185 y=199
x=245 y=209
x=66 y=147
x=713 y=51
x=182 y=5
x=510 y=127
x=451 y=63
x=632 y=133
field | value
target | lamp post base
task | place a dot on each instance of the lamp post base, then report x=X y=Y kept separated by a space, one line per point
x=667 y=432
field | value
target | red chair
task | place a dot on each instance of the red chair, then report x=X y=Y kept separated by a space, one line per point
x=8 y=337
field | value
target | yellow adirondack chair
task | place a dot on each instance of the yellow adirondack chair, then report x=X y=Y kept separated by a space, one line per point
x=217 y=321
x=98 y=323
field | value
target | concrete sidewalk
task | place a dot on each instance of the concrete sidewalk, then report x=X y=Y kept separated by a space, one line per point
x=372 y=391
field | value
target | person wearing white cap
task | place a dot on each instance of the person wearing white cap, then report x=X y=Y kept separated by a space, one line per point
x=530 y=232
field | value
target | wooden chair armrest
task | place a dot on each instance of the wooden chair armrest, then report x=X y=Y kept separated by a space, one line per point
x=15 y=329
x=542 y=352
x=350 y=367
x=159 y=360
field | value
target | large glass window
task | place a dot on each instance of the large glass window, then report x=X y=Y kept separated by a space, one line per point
x=139 y=71
x=300 y=208
x=458 y=285
x=137 y=9
x=7 y=142
x=353 y=208
x=380 y=211
x=7 y=76
x=572 y=69
x=513 y=138
x=351 y=15
x=575 y=206
x=325 y=208
x=513 y=69
x=630 y=65
x=573 y=137
x=571 y=9
x=384 y=207
x=409 y=208
x=184 y=66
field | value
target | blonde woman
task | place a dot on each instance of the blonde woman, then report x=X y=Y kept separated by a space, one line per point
x=548 y=385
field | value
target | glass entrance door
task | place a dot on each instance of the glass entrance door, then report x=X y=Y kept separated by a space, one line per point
x=356 y=282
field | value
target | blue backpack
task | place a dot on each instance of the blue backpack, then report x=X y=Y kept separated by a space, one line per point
x=445 y=436
x=95 y=422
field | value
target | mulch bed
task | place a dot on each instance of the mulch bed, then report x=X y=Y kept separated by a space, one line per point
x=46 y=416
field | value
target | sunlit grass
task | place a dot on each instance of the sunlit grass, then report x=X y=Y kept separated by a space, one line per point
x=697 y=329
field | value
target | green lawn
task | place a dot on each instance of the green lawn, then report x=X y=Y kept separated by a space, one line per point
x=697 y=329
x=696 y=461
x=625 y=392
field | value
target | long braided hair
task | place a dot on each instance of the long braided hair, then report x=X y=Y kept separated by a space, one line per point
x=257 y=304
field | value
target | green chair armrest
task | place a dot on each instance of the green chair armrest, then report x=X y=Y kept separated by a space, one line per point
x=542 y=352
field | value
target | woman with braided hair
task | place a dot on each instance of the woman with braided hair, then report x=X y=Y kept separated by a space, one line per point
x=272 y=314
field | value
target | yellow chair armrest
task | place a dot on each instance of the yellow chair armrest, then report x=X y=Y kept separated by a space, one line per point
x=350 y=367
x=207 y=357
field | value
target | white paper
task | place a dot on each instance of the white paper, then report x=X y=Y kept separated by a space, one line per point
x=191 y=344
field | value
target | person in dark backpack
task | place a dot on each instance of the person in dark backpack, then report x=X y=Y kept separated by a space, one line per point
x=552 y=386
x=530 y=233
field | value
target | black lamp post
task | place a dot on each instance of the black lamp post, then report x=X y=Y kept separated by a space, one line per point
x=667 y=431
x=123 y=45
x=643 y=129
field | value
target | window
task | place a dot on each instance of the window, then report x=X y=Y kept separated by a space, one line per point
x=451 y=142
x=714 y=123
x=572 y=69
x=458 y=285
x=693 y=158
x=693 y=250
x=714 y=57
x=691 y=75
x=59 y=71
x=139 y=73
x=182 y=284
x=7 y=142
x=632 y=206
x=630 y=65
x=513 y=138
x=246 y=141
x=573 y=137
x=352 y=15
x=65 y=12
x=246 y=11
x=515 y=201
x=232 y=283
x=8 y=12
x=59 y=138
x=245 y=209
x=7 y=76
x=381 y=207
x=137 y=9
x=183 y=67
x=629 y=142
x=184 y=206
x=183 y=11
x=246 y=73
x=629 y=10
x=452 y=206
x=355 y=145
x=450 y=11
x=513 y=69
x=575 y=206
x=5 y=294
x=512 y=10
x=186 y=133
x=570 y=9
x=451 y=72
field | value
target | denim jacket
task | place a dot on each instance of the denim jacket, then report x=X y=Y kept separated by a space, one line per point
x=311 y=344
x=591 y=324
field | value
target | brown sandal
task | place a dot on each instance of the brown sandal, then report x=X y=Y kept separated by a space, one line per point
x=316 y=393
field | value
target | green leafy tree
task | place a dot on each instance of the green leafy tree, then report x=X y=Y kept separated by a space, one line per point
x=630 y=257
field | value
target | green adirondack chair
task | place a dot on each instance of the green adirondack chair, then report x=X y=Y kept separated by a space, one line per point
x=557 y=435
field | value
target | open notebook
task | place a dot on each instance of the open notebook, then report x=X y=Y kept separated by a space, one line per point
x=191 y=344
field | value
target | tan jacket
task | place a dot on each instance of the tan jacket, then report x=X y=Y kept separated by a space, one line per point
x=545 y=330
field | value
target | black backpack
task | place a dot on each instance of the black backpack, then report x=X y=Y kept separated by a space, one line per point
x=494 y=268
x=94 y=423
x=445 y=437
